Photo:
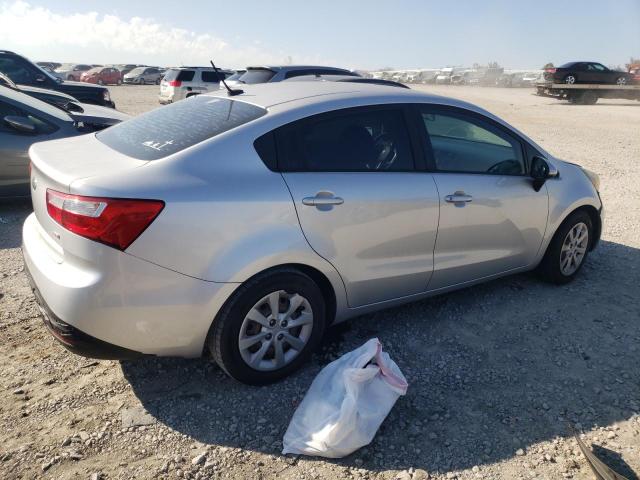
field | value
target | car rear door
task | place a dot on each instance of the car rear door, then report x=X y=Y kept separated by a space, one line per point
x=362 y=203
x=491 y=218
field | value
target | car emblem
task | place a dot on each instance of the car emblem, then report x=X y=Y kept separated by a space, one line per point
x=34 y=183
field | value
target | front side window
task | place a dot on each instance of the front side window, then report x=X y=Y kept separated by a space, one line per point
x=464 y=143
x=354 y=140
x=167 y=130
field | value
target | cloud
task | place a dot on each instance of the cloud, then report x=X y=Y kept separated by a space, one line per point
x=91 y=37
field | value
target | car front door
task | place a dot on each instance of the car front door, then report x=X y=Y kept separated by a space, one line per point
x=491 y=218
x=361 y=202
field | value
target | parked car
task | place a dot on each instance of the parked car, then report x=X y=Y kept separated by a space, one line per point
x=72 y=71
x=23 y=72
x=270 y=74
x=102 y=76
x=586 y=72
x=184 y=82
x=143 y=76
x=126 y=68
x=48 y=96
x=346 y=78
x=25 y=120
x=234 y=76
x=634 y=70
x=243 y=226
x=444 y=76
x=49 y=65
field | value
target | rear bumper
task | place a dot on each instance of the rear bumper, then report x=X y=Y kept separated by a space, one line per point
x=75 y=340
x=110 y=304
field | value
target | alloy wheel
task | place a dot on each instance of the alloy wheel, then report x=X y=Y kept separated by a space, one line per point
x=570 y=79
x=621 y=81
x=275 y=330
x=574 y=248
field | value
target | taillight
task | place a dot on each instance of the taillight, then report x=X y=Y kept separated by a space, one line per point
x=550 y=70
x=115 y=222
x=175 y=83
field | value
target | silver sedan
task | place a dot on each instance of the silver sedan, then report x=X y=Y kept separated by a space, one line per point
x=241 y=225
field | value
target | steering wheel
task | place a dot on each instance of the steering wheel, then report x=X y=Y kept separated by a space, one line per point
x=386 y=153
x=506 y=167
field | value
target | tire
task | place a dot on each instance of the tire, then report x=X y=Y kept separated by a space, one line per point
x=570 y=79
x=100 y=82
x=224 y=339
x=119 y=81
x=158 y=81
x=621 y=81
x=551 y=268
x=71 y=78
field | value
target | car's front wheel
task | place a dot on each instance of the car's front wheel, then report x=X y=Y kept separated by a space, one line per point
x=269 y=327
x=621 y=81
x=568 y=249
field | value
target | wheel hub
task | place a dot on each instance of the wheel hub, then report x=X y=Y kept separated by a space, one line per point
x=275 y=330
x=574 y=249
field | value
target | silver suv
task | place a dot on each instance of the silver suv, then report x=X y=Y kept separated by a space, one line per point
x=184 y=82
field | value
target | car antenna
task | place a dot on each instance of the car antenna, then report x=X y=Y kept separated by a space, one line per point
x=231 y=91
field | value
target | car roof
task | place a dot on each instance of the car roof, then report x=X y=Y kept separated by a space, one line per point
x=297 y=67
x=268 y=95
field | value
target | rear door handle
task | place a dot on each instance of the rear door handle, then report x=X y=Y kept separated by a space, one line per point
x=458 y=197
x=321 y=201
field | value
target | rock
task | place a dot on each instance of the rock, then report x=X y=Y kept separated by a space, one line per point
x=135 y=417
x=404 y=475
x=18 y=391
x=520 y=452
x=199 y=459
x=96 y=476
x=84 y=436
x=421 y=474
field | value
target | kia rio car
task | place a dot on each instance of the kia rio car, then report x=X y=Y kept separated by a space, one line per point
x=241 y=226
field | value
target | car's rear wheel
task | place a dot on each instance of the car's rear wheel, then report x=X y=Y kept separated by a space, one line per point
x=621 y=81
x=269 y=327
x=119 y=81
x=100 y=82
x=568 y=249
x=158 y=81
x=570 y=79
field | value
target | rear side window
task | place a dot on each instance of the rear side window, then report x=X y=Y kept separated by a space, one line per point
x=352 y=140
x=167 y=130
x=182 y=75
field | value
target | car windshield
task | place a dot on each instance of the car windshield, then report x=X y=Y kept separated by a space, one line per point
x=95 y=70
x=167 y=130
x=137 y=71
x=235 y=76
x=257 y=75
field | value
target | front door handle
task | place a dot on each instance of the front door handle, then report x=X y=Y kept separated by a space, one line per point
x=320 y=201
x=458 y=197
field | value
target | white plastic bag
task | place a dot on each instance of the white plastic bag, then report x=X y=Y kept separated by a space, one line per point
x=346 y=404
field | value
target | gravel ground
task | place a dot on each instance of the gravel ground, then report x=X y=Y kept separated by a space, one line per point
x=496 y=372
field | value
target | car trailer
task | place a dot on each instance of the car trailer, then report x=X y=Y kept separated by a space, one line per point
x=587 y=93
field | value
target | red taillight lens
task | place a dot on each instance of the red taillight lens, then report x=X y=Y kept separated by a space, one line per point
x=550 y=70
x=175 y=83
x=113 y=221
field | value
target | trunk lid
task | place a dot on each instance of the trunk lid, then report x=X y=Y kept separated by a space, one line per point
x=57 y=164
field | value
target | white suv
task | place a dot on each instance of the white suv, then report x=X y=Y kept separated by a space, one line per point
x=184 y=82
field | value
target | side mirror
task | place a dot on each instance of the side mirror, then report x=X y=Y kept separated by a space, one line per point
x=40 y=77
x=21 y=124
x=539 y=172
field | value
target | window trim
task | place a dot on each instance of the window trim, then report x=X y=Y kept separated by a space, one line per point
x=405 y=111
x=460 y=112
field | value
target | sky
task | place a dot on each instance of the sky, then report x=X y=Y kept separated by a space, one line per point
x=357 y=34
